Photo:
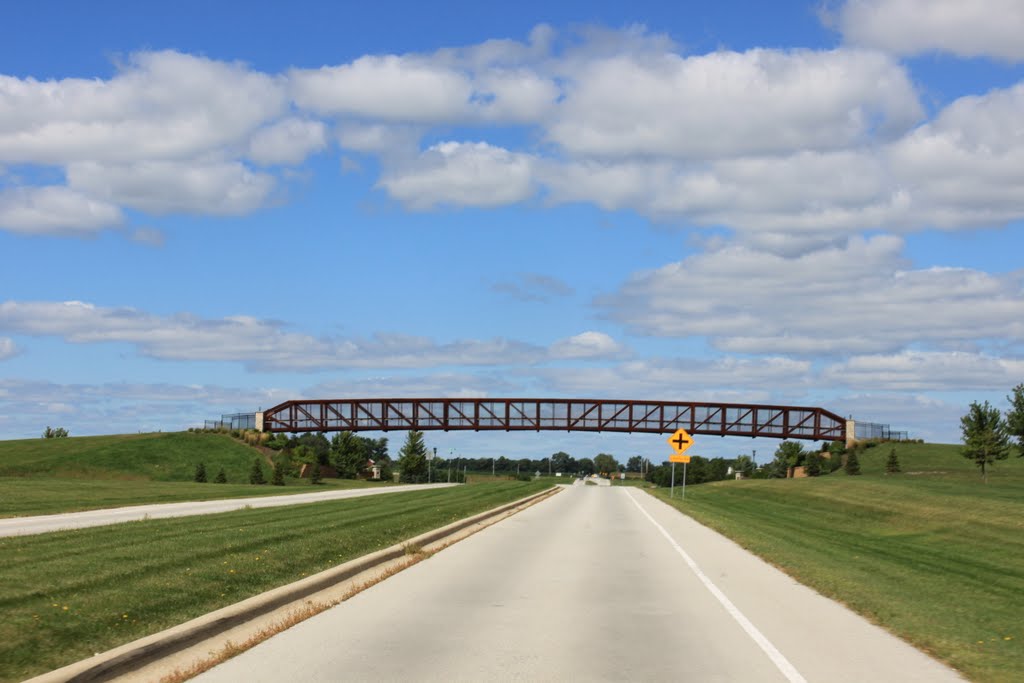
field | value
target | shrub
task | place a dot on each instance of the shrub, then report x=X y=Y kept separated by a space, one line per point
x=221 y=477
x=278 y=479
x=256 y=475
x=315 y=477
x=58 y=433
x=200 y=475
x=812 y=466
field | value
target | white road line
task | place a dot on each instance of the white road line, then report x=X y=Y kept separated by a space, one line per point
x=783 y=664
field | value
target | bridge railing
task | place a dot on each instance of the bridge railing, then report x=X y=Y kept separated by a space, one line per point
x=515 y=414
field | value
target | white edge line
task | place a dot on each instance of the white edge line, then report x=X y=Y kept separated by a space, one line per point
x=780 y=661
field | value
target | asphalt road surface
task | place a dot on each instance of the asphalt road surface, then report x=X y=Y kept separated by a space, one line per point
x=592 y=584
x=24 y=526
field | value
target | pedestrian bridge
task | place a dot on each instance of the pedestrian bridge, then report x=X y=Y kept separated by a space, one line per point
x=553 y=414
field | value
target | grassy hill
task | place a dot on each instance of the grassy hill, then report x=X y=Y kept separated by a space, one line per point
x=44 y=476
x=933 y=554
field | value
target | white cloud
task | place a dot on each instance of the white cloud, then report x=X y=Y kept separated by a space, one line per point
x=54 y=211
x=160 y=105
x=389 y=87
x=926 y=371
x=728 y=104
x=151 y=237
x=160 y=187
x=287 y=142
x=859 y=298
x=462 y=174
x=692 y=379
x=265 y=345
x=587 y=345
x=967 y=28
x=8 y=349
x=533 y=287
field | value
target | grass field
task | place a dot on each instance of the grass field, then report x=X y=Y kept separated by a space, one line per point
x=66 y=595
x=932 y=554
x=46 y=476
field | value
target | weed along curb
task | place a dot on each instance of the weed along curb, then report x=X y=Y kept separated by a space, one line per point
x=127 y=659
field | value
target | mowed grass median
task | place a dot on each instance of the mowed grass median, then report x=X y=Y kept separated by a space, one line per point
x=932 y=554
x=48 y=476
x=67 y=595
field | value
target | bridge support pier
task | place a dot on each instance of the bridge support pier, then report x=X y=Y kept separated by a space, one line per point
x=851 y=430
x=259 y=422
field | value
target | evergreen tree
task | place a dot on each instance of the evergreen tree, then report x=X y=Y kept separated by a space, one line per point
x=315 y=476
x=278 y=478
x=892 y=465
x=985 y=436
x=200 y=474
x=412 y=459
x=256 y=475
x=221 y=478
x=852 y=462
x=1015 y=417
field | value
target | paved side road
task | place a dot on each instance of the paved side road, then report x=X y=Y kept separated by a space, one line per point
x=24 y=526
x=594 y=584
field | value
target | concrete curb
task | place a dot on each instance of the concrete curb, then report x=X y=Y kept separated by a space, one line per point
x=131 y=656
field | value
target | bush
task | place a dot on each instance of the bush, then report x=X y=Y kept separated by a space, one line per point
x=315 y=477
x=58 y=433
x=812 y=466
x=256 y=475
x=221 y=477
x=200 y=475
x=278 y=479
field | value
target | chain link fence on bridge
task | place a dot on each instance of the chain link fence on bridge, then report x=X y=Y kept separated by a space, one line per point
x=235 y=421
x=875 y=430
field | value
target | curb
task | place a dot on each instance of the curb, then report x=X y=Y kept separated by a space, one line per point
x=136 y=654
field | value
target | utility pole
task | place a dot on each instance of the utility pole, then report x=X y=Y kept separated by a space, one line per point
x=492 y=467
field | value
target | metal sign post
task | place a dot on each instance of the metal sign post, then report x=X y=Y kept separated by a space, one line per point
x=672 y=489
x=680 y=441
x=684 y=481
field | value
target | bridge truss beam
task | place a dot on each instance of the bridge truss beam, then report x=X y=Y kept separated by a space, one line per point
x=531 y=414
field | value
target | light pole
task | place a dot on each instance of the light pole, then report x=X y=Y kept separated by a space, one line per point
x=429 y=467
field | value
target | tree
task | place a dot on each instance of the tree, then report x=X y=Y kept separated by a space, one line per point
x=852 y=462
x=634 y=463
x=985 y=437
x=221 y=478
x=278 y=479
x=605 y=464
x=1015 y=417
x=586 y=466
x=315 y=476
x=892 y=465
x=812 y=466
x=412 y=459
x=745 y=466
x=256 y=475
x=348 y=454
x=561 y=461
x=58 y=433
x=200 y=475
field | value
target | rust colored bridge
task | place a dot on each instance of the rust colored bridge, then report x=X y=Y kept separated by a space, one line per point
x=537 y=414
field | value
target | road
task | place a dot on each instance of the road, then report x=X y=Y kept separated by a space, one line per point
x=25 y=526
x=592 y=584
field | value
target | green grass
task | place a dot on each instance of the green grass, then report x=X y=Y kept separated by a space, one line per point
x=66 y=595
x=932 y=554
x=47 y=476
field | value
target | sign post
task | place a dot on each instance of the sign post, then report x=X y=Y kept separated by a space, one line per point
x=679 y=442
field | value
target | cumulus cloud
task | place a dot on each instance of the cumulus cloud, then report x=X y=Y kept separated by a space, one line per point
x=727 y=104
x=54 y=210
x=287 y=142
x=266 y=345
x=587 y=345
x=160 y=105
x=926 y=371
x=160 y=187
x=533 y=287
x=980 y=28
x=8 y=349
x=462 y=174
x=859 y=298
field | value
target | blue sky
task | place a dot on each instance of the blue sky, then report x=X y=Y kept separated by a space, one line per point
x=215 y=207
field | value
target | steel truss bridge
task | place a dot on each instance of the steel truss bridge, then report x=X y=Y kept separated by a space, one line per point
x=552 y=414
